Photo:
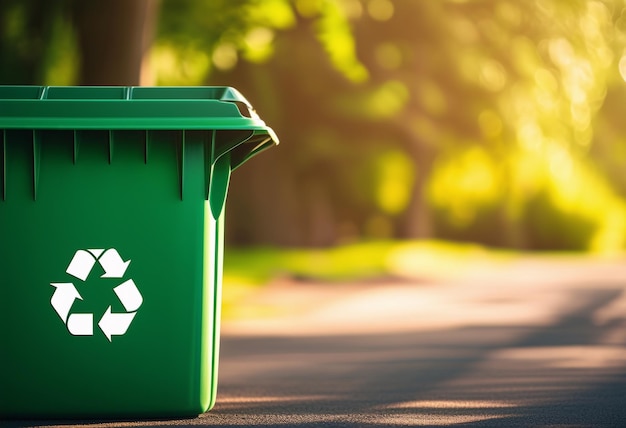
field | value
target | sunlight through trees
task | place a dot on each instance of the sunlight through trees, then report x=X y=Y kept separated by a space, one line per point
x=494 y=121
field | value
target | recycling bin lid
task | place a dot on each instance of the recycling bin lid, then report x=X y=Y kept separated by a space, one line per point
x=128 y=107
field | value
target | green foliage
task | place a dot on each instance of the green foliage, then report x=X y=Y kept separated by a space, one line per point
x=32 y=35
x=463 y=184
x=335 y=34
x=574 y=207
x=190 y=32
x=394 y=177
x=61 y=59
x=551 y=227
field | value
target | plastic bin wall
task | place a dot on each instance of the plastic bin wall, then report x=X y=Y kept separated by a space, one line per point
x=111 y=241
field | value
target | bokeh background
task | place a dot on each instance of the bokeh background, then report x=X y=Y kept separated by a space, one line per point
x=496 y=122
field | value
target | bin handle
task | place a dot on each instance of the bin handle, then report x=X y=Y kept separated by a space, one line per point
x=218 y=184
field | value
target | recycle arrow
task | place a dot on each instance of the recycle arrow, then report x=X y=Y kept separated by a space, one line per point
x=115 y=324
x=129 y=295
x=81 y=264
x=80 y=324
x=63 y=298
x=113 y=264
x=84 y=260
x=111 y=324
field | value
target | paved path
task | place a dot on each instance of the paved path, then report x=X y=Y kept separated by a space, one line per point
x=529 y=343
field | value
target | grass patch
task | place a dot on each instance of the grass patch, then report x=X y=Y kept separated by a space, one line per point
x=248 y=269
x=255 y=266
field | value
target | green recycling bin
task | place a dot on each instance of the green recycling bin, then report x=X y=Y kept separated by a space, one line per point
x=111 y=243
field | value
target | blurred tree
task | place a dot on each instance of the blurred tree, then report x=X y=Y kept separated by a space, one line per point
x=496 y=121
x=522 y=83
x=113 y=37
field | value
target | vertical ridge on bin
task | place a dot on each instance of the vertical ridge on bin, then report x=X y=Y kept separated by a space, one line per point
x=219 y=176
x=218 y=186
x=75 y=136
x=180 y=153
x=209 y=144
x=36 y=161
x=145 y=147
x=110 y=147
x=3 y=164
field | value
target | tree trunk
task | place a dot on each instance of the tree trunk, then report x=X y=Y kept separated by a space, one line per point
x=113 y=37
x=416 y=221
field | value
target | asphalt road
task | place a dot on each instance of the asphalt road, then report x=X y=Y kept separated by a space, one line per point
x=528 y=343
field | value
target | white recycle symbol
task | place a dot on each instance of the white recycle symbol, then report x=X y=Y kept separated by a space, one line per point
x=111 y=323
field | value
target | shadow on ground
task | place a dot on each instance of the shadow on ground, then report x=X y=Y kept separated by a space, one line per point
x=510 y=353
